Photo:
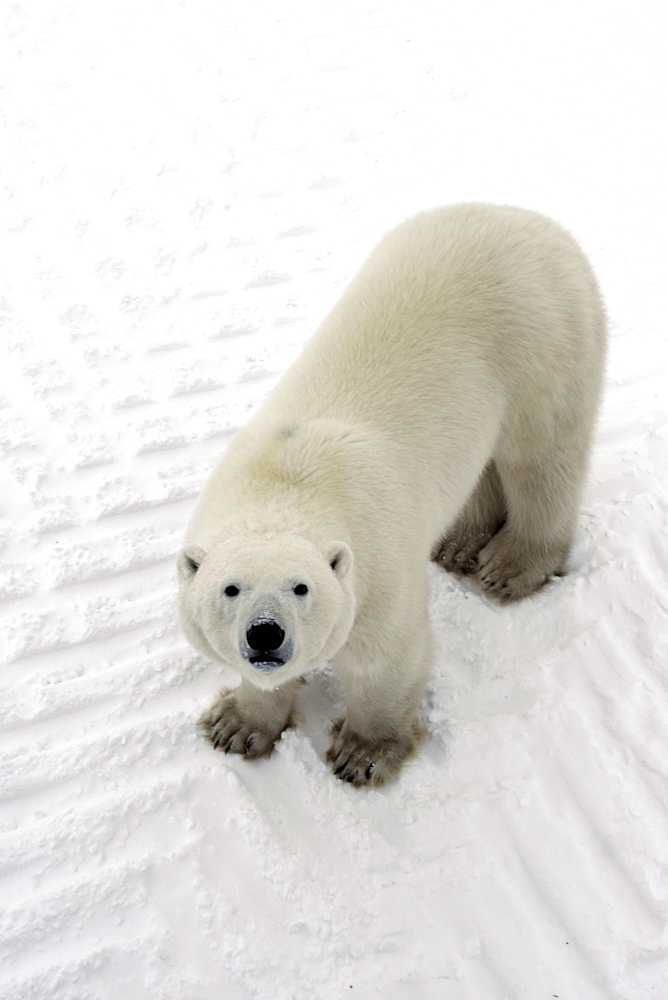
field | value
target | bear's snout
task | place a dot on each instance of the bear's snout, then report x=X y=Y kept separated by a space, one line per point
x=265 y=645
x=265 y=636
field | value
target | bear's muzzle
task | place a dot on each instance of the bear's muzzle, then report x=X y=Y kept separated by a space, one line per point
x=265 y=646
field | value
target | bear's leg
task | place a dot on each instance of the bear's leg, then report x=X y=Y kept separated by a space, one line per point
x=533 y=544
x=380 y=731
x=480 y=518
x=248 y=720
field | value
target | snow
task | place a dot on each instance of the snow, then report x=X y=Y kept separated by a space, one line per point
x=186 y=189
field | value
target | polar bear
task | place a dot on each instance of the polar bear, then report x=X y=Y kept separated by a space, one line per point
x=444 y=408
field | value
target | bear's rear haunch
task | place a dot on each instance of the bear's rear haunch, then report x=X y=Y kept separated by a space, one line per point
x=443 y=409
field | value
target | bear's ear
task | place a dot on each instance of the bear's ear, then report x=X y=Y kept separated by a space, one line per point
x=189 y=561
x=340 y=558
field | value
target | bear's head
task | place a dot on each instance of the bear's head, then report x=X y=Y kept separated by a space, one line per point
x=272 y=606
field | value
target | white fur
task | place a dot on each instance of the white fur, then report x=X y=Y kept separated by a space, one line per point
x=444 y=407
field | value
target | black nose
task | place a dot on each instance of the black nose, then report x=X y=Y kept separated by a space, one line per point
x=265 y=636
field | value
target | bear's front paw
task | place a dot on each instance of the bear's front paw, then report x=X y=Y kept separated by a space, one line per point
x=230 y=729
x=363 y=760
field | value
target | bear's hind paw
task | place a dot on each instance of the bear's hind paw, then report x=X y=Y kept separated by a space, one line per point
x=458 y=552
x=509 y=570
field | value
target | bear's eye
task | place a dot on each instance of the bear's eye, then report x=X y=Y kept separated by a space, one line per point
x=300 y=590
x=231 y=591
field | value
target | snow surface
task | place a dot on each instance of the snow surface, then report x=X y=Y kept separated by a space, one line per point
x=186 y=189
